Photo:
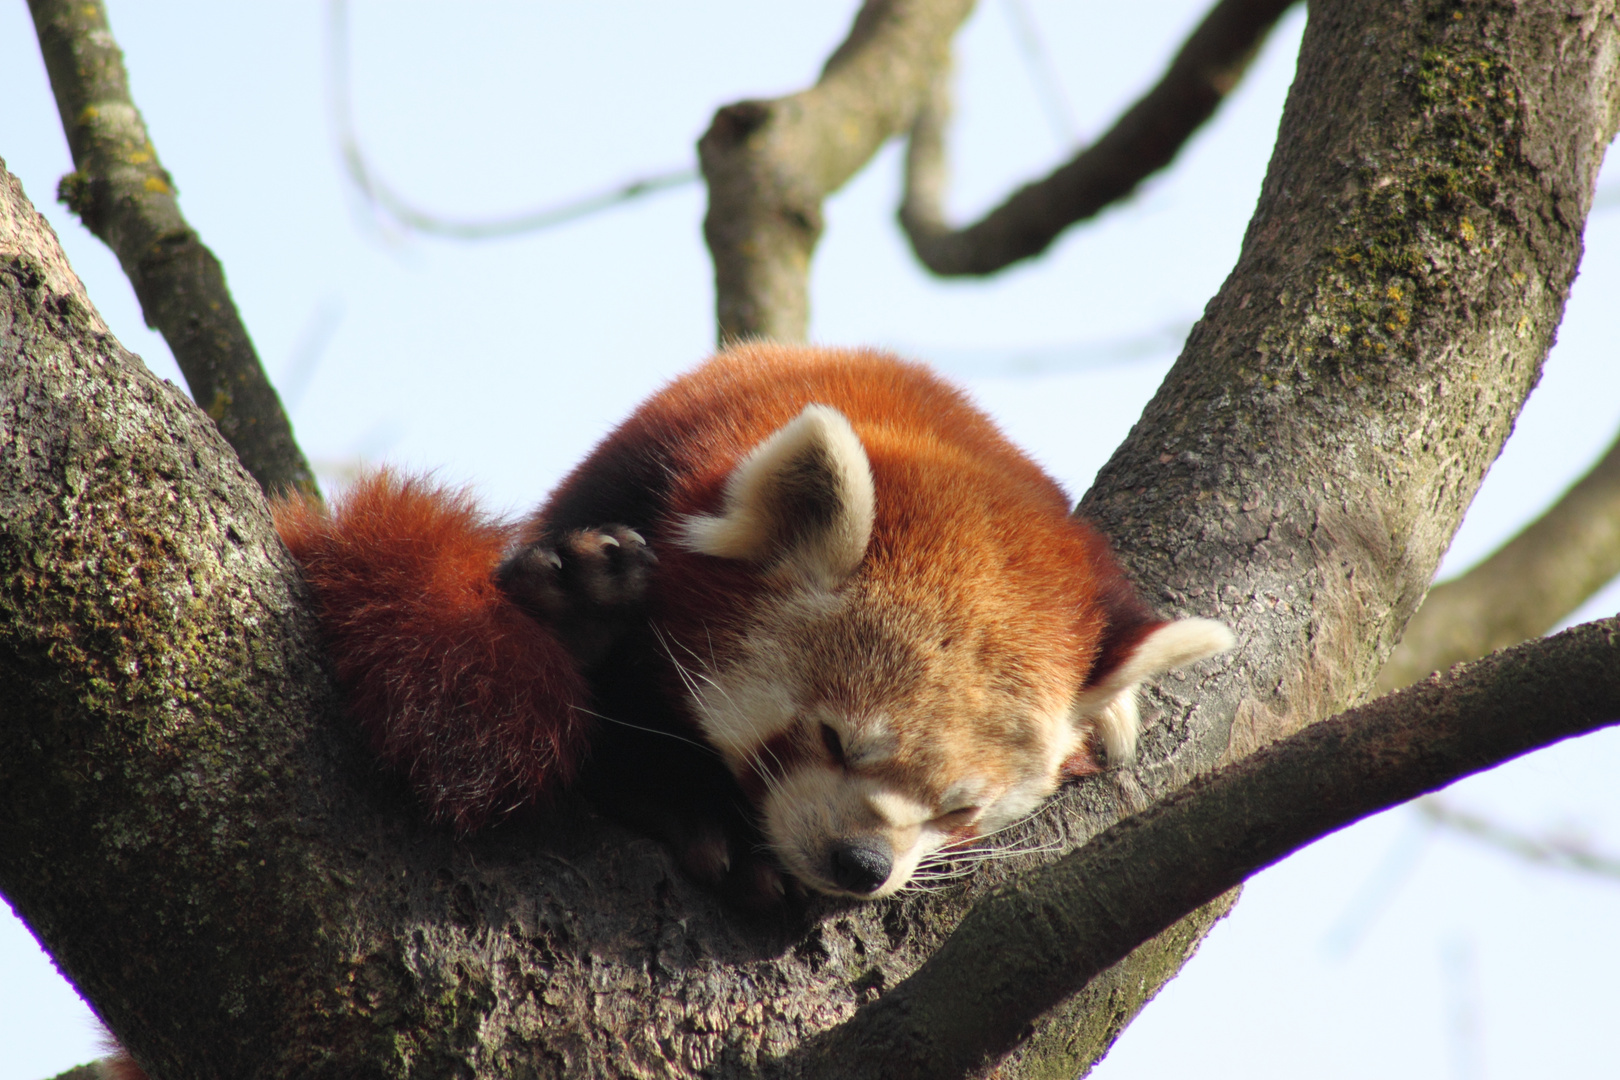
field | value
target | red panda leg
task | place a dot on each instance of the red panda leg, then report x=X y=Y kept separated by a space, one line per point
x=463 y=665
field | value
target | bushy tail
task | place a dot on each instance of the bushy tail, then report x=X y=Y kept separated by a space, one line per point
x=479 y=705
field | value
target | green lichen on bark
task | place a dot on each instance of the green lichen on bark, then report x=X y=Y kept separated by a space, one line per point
x=1418 y=213
x=148 y=618
x=1068 y=1045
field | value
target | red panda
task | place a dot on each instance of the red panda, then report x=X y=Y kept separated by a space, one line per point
x=825 y=568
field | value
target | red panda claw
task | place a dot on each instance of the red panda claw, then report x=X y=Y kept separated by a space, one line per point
x=706 y=859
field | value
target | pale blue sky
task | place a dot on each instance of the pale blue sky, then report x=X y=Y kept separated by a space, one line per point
x=500 y=363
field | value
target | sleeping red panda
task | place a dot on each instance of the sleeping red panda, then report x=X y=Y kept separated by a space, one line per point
x=823 y=571
x=825 y=567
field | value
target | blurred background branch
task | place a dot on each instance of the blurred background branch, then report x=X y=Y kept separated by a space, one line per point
x=1144 y=140
x=1566 y=852
x=770 y=164
x=382 y=197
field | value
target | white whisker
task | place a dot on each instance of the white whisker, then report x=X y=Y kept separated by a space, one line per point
x=690 y=676
x=649 y=730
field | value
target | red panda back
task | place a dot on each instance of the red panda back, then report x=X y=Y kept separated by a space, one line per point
x=677 y=448
x=948 y=482
x=479 y=705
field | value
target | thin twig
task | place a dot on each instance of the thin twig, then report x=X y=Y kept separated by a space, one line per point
x=378 y=193
x=125 y=197
x=1565 y=852
x=1054 y=103
x=1144 y=140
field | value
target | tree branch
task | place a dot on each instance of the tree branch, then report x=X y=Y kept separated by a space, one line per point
x=185 y=813
x=1522 y=591
x=1147 y=138
x=126 y=198
x=148 y=613
x=770 y=164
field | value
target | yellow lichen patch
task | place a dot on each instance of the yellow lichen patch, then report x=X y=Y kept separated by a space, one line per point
x=156 y=185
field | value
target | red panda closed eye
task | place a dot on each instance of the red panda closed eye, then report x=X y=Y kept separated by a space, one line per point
x=824 y=566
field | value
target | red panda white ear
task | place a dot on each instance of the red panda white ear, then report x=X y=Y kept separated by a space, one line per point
x=1108 y=702
x=802 y=500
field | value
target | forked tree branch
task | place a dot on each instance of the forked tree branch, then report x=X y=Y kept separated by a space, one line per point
x=209 y=853
x=770 y=164
x=1143 y=141
x=1522 y=591
x=125 y=197
x=1021 y=951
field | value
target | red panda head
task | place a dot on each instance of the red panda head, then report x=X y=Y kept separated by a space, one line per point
x=898 y=643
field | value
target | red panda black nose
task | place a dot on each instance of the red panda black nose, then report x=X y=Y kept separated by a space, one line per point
x=861 y=867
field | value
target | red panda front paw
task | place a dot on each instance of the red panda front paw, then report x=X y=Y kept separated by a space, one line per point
x=606 y=567
x=586 y=583
x=734 y=867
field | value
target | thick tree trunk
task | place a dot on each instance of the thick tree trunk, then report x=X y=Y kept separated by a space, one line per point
x=189 y=825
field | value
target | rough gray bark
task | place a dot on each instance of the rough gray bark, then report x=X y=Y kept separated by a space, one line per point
x=770 y=164
x=126 y=198
x=1525 y=588
x=188 y=825
x=1144 y=140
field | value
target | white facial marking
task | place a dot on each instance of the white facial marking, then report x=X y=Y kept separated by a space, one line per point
x=739 y=714
x=743 y=704
x=814 y=810
x=969 y=791
x=896 y=809
x=868 y=744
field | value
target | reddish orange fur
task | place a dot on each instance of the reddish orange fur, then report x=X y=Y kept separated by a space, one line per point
x=951 y=491
x=478 y=704
x=482 y=707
